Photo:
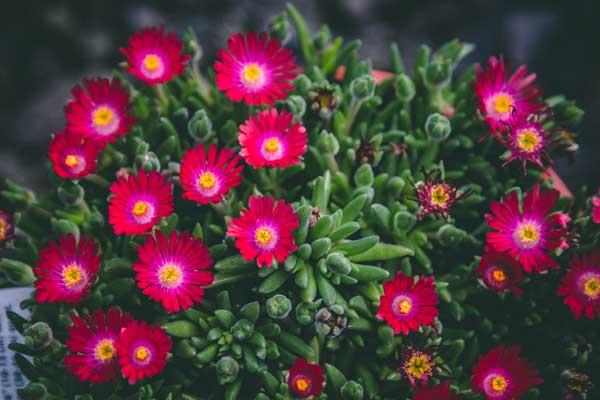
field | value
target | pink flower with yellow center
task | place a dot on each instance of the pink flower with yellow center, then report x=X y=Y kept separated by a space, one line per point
x=265 y=230
x=73 y=156
x=527 y=141
x=306 y=379
x=581 y=285
x=438 y=392
x=504 y=100
x=173 y=270
x=138 y=202
x=529 y=235
x=502 y=374
x=406 y=304
x=596 y=209
x=92 y=345
x=436 y=196
x=272 y=139
x=99 y=110
x=256 y=69
x=66 y=269
x=155 y=56
x=500 y=272
x=206 y=176
x=143 y=351
x=7 y=227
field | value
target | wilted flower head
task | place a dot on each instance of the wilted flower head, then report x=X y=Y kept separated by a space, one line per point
x=417 y=365
x=6 y=226
x=436 y=196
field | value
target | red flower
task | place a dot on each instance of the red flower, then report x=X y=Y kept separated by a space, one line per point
x=138 y=202
x=66 y=270
x=407 y=305
x=92 y=344
x=265 y=230
x=305 y=379
x=155 y=56
x=256 y=69
x=435 y=196
x=502 y=375
x=500 y=272
x=439 y=392
x=173 y=270
x=418 y=366
x=73 y=156
x=207 y=176
x=581 y=285
x=530 y=235
x=272 y=139
x=596 y=209
x=6 y=226
x=527 y=141
x=99 y=110
x=142 y=351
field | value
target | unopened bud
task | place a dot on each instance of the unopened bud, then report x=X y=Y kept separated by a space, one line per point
x=438 y=127
x=242 y=329
x=279 y=306
x=280 y=28
x=437 y=74
x=227 y=370
x=405 y=88
x=352 y=390
x=147 y=162
x=38 y=336
x=362 y=88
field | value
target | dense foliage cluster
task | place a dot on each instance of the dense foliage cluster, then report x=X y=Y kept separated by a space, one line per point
x=278 y=228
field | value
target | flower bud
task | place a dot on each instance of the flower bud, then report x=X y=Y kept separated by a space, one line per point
x=242 y=329
x=38 y=336
x=405 y=88
x=352 y=390
x=296 y=105
x=227 y=370
x=437 y=75
x=328 y=143
x=279 y=306
x=280 y=28
x=304 y=315
x=7 y=226
x=200 y=126
x=331 y=321
x=322 y=38
x=70 y=194
x=16 y=272
x=147 y=162
x=438 y=127
x=362 y=88
x=302 y=84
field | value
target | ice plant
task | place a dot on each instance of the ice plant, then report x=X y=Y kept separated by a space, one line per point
x=596 y=209
x=504 y=100
x=527 y=142
x=528 y=234
x=503 y=375
x=206 y=176
x=172 y=270
x=406 y=304
x=272 y=139
x=436 y=196
x=73 y=156
x=265 y=230
x=500 y=272
x=581 y=285
x=92 y=344
x=66 y=269
x=6 y=226
x=418 y=366
x=438 y=392
x=256 y=69
x=138 y=202
x=305 y=379
x=142 y=351
x=99 y=110
x=155 y=56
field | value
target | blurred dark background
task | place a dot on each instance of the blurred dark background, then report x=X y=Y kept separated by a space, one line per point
x=47 y=46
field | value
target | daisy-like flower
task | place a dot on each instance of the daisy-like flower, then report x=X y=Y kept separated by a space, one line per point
x=99 y=110
x=142 y=351
x=531 y=234
x=6 y=226
x=503 y=375
x=271 y=139
x=503 y=100
x=173 y=270
x=66 y=269
x=92 y=345
x=265 y=230
x=439 y=392
x=255 y=68
x=596 y=209
x=418 y=366
x=138 y=202
x=581 y=285
x=155 y=56
x=500 y=272
x=73 y=156
x=527 y=141
x=436 y=196
x=306 y=379
x=206 y=176
x=407 y=305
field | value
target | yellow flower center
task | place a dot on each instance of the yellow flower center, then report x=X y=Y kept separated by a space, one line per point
x=499 y=384
x=71 y=161
x=499 y=275
x=404 y=306
x=72 y=275
x=419 y=365
x=151 y=62
x=207 y=180
x=302 y=384
x=528 y=235
x=502 y=103
x=252 y=73
x=3 y=230
x=591 y=287
x=439 y=196
x=272 y=145
x=170 y=275
x=102 y=116
x=528 y=140
x=105 y=350
x=142 y=354
x=263 y=236
x=140 y=208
